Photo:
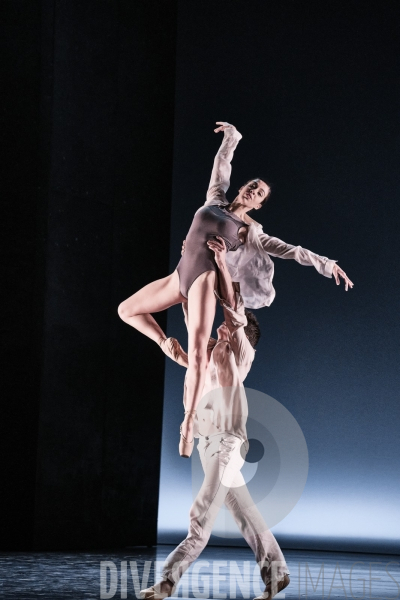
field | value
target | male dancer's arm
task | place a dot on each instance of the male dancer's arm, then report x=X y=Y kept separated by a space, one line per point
x=234 y=310
x=226 y=288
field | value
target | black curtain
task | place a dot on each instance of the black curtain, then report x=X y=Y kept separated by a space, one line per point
x=87 y=110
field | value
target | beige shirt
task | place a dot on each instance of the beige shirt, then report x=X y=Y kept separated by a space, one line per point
x=223 y=407
x=251 y=264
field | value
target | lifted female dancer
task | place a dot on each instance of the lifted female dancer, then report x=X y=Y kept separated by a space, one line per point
x=195 y=278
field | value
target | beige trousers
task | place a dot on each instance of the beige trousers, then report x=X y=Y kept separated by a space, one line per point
x=222 y=456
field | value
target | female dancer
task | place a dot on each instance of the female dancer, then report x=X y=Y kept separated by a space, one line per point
x=195 y=278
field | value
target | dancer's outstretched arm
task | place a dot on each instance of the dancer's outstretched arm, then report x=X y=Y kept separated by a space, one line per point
x=221 y=173
x=236 y=321
x=281 y=249
x=322 y=264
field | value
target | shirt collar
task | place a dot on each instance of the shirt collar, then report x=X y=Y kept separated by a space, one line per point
x=247 y=219
x=251 y=221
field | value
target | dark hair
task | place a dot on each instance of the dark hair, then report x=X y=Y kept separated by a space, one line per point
x=252 y=329
x=263 y=201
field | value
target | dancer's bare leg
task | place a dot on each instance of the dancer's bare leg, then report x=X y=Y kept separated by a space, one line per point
x=154 y=297
x=201 y=308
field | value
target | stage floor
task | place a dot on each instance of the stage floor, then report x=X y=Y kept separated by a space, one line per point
x=218 y=573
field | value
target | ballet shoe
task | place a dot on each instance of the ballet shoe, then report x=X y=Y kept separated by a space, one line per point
x=186 y=447
x=172 y=348
x=153 y=592
x=266 y=595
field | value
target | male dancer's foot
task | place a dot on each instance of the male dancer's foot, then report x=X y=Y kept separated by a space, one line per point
x=279 y=587
x=158 y=591
x=172 y=348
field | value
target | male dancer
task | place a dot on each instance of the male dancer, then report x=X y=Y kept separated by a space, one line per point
x=220 y=424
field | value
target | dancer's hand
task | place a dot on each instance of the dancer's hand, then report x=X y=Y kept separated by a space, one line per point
x=183 y=247
x=218 y=246
x=223 y=125
x=337 y=271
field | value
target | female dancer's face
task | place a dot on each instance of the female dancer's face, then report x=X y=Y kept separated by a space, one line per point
x=253 y=193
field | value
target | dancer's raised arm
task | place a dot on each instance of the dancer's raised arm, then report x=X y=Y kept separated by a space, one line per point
x=226 y=288
x=221 y=173
x=234 y=311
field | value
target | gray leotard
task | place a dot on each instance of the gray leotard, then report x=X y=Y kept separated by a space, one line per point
x=208 y=222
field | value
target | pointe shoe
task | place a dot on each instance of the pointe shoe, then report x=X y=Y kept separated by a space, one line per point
x=153 y=592
x=172 y=348
x=186 y=447
x=280 y=586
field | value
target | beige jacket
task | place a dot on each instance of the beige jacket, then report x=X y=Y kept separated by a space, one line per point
x=251 y=264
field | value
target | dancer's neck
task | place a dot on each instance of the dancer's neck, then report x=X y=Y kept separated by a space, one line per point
x=240 y=210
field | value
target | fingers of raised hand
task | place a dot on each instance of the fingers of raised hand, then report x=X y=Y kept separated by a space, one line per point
x=223 y=125
x=218 y=247
x=221 y=241
x=214 y=247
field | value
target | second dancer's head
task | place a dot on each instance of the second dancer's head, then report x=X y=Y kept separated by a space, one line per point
x=252 y=330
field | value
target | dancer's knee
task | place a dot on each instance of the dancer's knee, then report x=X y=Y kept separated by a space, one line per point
x=125 y=311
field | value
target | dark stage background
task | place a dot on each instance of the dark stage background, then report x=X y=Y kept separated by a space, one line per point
x=87 y=119
x=313 y=88
x=96 y=134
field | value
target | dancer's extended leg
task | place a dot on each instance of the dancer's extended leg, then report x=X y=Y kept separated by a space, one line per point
x=154 y=297
x=221 y=457
x=255 y=530
x=201 y=308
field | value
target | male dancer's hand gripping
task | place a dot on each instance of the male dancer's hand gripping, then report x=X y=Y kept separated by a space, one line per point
x=226 y=290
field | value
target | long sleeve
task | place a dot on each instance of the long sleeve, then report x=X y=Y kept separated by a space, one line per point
x=221 y=173
x=236 y=321
x=277 y=247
